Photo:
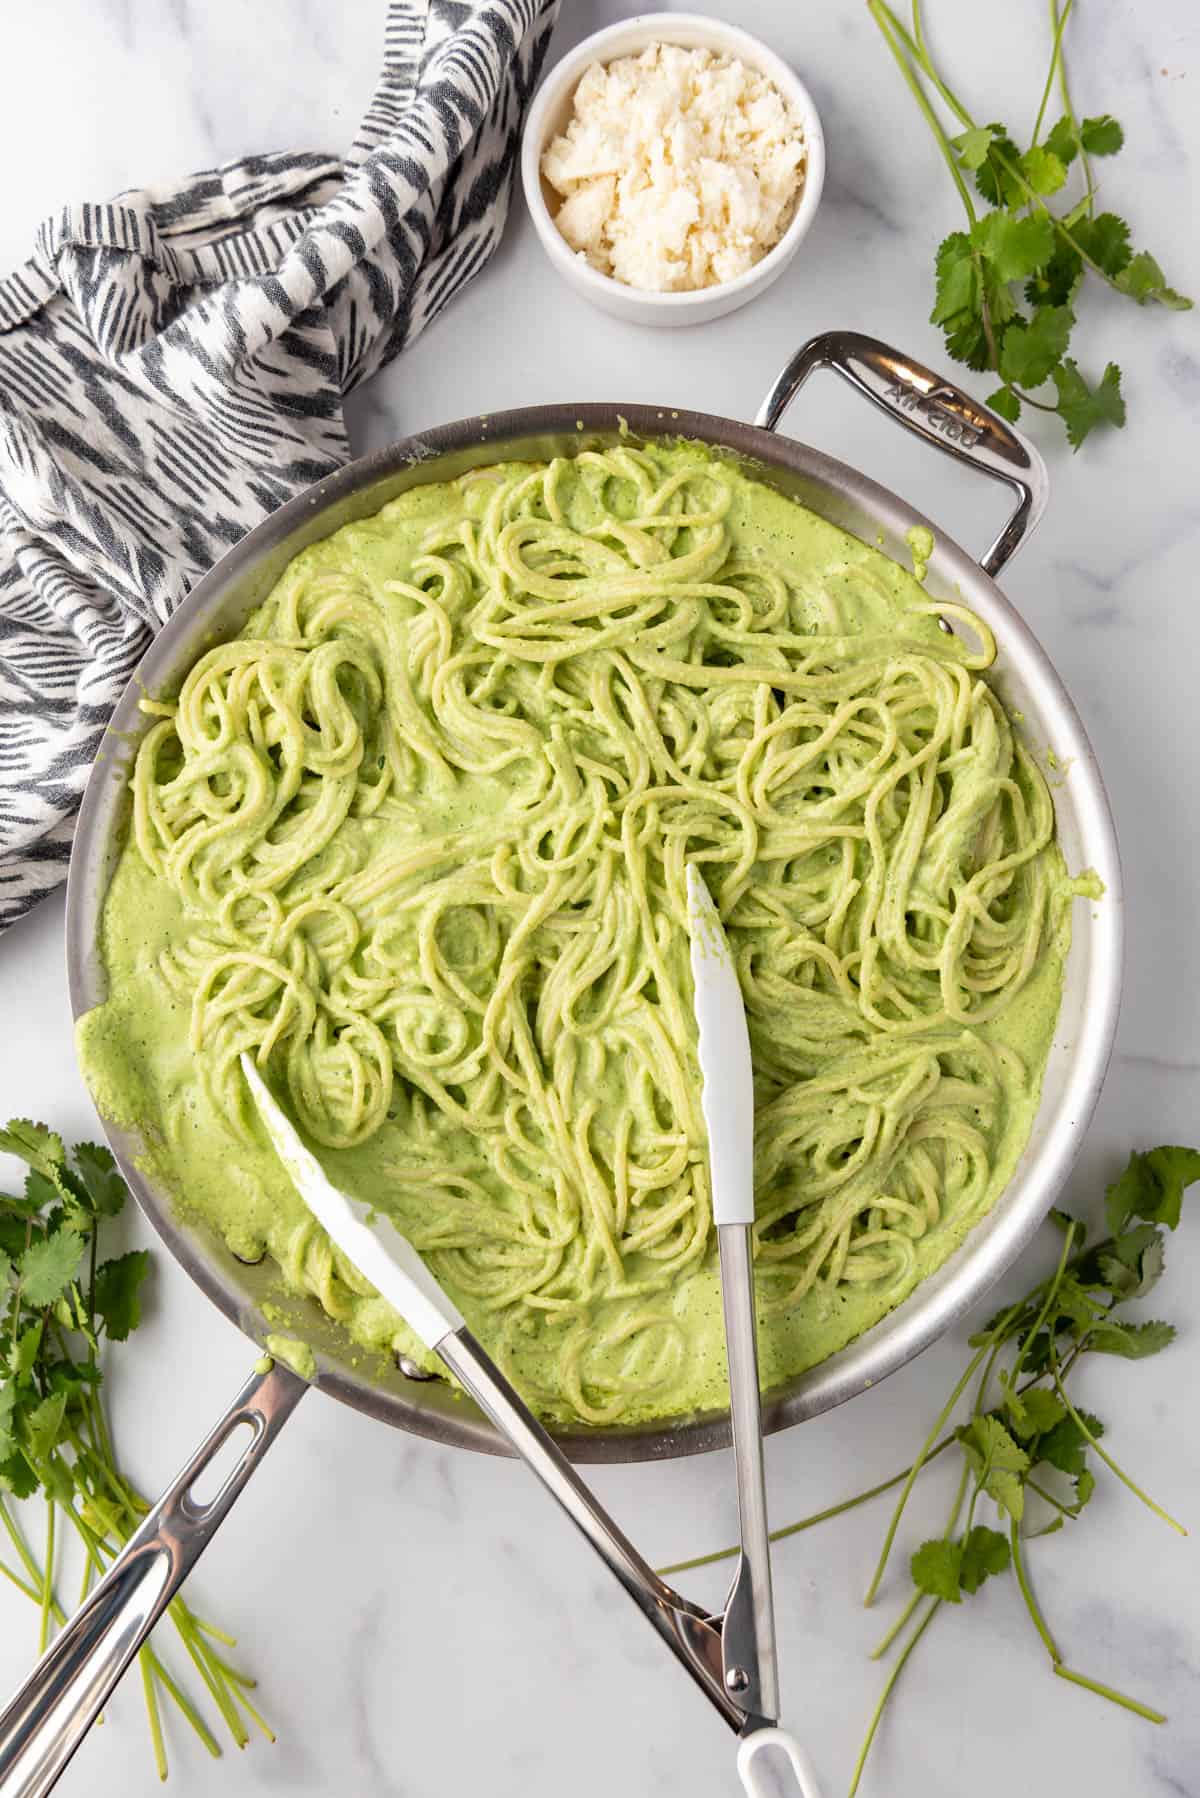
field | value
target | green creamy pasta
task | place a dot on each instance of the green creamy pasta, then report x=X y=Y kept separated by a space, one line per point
x=417 y=840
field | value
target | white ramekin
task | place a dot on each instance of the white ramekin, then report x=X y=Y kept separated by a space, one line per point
x=548 y=117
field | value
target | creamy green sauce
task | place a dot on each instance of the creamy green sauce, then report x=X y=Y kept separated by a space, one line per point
x=141 y=1068
x=293 y=1353
x=920 y=542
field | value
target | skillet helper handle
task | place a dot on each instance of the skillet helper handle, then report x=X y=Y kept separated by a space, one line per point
x=45 y=1722
x=932 y=408
x=784 y=1773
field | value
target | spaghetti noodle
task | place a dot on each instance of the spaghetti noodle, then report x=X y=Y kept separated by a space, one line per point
x=428 y=819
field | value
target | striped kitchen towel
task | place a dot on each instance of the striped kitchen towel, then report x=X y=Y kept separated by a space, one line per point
x=172 y=365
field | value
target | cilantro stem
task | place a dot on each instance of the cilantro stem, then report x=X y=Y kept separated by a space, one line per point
x=221 y=1695
x=994 y=1338
x=1027 y=399
x=1058 y=25
x=1065 y=90
x=19 y=1583
x=805 y=1523
x=24 y=1553
x=47 y=1592
x=30 y=1565
x=1110 y=1692
x=1063 y=1510
x=1031 y=1603
x=1107 y=1458
x=1044 y=1311
x=808 y=1523
x=1051 y=1646
x=75 y=1465
x=210 y=1629
x=886 y=1693
x=885 y=1642
x=245 y=1683
x=184 y=1702
x=878 y=1652
x=895 y=36
x=92 y=1283
x=156 y=1735
x=926 y=62
x=1080 y=1348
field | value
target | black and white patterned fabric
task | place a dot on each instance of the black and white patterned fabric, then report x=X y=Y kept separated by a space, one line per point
x=172 y=366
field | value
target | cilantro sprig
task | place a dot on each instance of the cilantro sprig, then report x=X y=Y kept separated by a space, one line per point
x=1028 y=1455
x=1007 y=287
x=61 y=1305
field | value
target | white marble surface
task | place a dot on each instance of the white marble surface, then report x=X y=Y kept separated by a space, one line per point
x=421 y=1622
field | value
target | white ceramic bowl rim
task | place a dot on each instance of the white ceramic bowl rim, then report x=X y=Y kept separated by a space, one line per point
x=624 y=39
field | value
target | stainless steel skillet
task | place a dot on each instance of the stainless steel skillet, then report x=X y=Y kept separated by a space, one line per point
x=72 y=1682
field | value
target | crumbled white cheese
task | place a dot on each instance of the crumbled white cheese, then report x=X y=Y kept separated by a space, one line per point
x=678 y=169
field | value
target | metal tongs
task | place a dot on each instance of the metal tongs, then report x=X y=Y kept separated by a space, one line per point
x=731 y=1656
x=749 y=1660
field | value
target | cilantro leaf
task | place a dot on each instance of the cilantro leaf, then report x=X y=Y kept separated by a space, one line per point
x=1101 y=136
x=17 y=1476
x=1044 y=171
x=1037 y=1351
x=957 y=279
x=117 y=1304
x=1016 y=247
x=1082 y=407
x=57 y=1480
x=51 y=1437
x=994 y=180
x=12 y=1236
x=999 y=1463
x=49 y=1265
x=1106 y=240
x=1066 y=1446
x=1062 y=142
x=8 y=1401
x=68 y=1376
x=25 y=1352
x=1133 y=1342
x=1005 y=402
x=1152 y=1187
x=935 y=1569
x=984 y=1552
x=1030 y=351
x=967 y=341
x=1132 y=1192
x=1000 y=303
x=1075 y=1304
x=972 y=146
x=40 y=1192
x=1143 y=280
x=1127 y=1266
x=98 y=1171
x=1034 y=1412
x=33 y=1144
x=1085 y=1485
x=42 y=1424
x=1054 y=284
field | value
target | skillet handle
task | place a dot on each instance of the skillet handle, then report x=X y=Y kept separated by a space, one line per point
x=43 y=1725
x=933 y=409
